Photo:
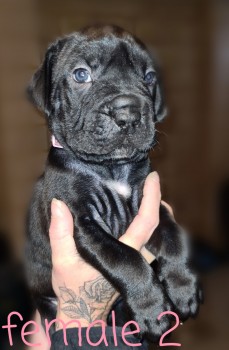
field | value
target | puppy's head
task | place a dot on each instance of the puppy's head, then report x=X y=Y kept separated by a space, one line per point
x=100 y=91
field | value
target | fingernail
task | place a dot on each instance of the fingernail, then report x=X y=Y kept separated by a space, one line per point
x=154 y=176
x=56 y=207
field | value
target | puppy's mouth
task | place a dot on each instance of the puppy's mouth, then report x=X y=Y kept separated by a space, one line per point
x=116 y=133
x=112 y=140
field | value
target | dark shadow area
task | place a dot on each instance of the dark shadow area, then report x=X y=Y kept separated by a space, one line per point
x=14 y=296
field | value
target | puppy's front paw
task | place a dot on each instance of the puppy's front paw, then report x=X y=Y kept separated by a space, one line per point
x=146 y=310
x=182 y=288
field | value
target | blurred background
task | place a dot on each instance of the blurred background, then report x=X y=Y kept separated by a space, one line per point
x=191 y=41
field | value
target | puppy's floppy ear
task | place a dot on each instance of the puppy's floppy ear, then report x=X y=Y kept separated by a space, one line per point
x=39 y=89
x=160 y=110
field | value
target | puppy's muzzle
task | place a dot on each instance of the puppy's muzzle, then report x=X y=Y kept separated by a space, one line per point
x=126 y=111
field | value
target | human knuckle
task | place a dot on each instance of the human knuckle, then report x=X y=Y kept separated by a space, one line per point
x=58 y=264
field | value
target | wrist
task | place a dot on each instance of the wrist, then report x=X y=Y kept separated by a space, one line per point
x=65 y=321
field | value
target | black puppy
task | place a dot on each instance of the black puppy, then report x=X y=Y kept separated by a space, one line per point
x=100 y=92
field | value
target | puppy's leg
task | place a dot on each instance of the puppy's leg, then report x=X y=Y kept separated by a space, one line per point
x=129 y=273
x=169 y=244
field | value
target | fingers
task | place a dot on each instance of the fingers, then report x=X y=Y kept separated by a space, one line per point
x=147 y=255
x=151 y=200
x=147 y=219
x=61 y=233
x=170 y=210
x=136 y=236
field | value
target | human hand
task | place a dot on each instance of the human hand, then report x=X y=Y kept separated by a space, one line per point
x=83 y=293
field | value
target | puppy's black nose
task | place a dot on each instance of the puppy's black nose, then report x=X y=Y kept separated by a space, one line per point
x=126 y=111
x=127 y=119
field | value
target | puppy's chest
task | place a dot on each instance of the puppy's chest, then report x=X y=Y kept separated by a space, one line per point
x=114 y=204
x=121 y=188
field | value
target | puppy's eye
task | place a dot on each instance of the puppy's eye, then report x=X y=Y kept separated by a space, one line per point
x=149 y=78
x=81 y=75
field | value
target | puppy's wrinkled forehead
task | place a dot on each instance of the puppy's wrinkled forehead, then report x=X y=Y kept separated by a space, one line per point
x=98 y=61
x=104 y=47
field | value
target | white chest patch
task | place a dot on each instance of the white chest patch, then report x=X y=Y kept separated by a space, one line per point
x=54 y=302
x=120 y=187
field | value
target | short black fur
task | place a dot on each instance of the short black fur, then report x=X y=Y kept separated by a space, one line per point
x=106 y=128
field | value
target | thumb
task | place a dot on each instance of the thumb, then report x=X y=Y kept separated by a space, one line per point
x=61 y=232
x=147 y=219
